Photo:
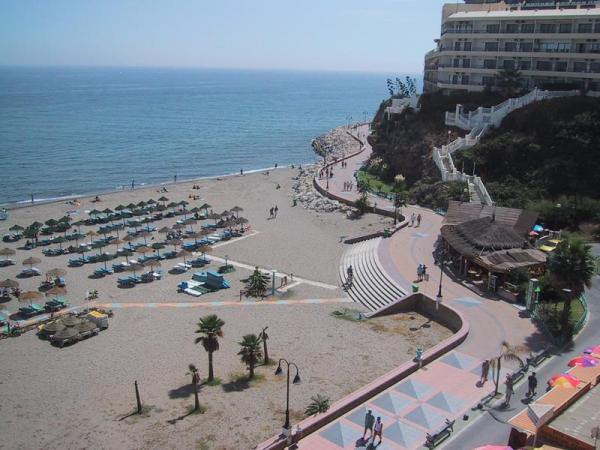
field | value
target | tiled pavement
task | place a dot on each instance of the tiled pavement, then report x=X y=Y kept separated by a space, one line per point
x=445 y=389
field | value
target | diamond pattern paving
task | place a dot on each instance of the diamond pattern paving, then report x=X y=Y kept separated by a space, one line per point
x=404 y=434
x=447 y=402
x=459 y=360
x=425 y=416
x=392 y=402
x=414 y=388
x=341 y=434
x=358 y=416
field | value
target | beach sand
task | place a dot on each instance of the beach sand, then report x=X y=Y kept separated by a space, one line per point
x=74 y=397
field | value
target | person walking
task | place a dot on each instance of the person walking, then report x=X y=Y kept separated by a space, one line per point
x=532 y=384
x=275 y=210
x=509 y=390
x=420 y=272
x=412 y=219
x=369 y=422
x=424 y=273
x=349 y=275
x=271 y=213
x=419 y=220
x=485 y=371
x=378 y=431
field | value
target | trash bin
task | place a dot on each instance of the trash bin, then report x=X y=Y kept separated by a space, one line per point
x=386 y=233
x=415 y=288
x=426 y=277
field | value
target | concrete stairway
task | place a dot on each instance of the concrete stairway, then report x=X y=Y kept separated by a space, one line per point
x=372 y=287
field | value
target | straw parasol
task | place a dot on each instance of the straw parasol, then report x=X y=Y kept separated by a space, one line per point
x=57 y=272
x=30 y=296
x=85 y=325
x=135 y=267
x=53 y=327
x=152 y=263
x=225 y=214
x=184 y=253
x=70 y=320
x=178 y=226
x=56 y=291
x=143 y=249
x=7 y=251
x=8 y=283
x=16 y=228
x=31 y=261
x=174 y=242
x=91 y=233
x=164 y=230
x=236 y=210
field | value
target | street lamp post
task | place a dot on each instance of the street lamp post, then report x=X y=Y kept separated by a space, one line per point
x=273 y=282
x=279 y=371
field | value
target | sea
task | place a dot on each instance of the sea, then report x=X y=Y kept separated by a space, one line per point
x=66 y=132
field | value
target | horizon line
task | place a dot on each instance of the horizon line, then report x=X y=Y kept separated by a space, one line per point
x=224 y=68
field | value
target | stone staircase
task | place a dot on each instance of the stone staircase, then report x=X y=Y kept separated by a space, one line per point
x=372 y=287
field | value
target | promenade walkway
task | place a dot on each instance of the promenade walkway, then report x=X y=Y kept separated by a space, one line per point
x=447 y=387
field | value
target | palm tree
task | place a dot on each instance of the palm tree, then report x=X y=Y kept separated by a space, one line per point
x=571 y=266
x=250 y=352
x=263 y=337
x=257 y=284
x=193 y=371
x=318 y=404
x=210 y=330
x=507 y=353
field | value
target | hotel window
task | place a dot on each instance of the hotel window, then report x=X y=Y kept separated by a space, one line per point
x=455 y=62
x=527 y=28
x=467 y=46
x=454 y=79
x=465 y=79
x=466 y=63
x=543 y=65
x=491 y=47
x=526 y=46
x=584 y=28
x=492 y=28
x=512 y=27
x=489 y=64
x=524 y=65
x=595 y=67
x=510 y=46
x=487 y=81
x=560 y=66
x=548 y=28
x=597 y=27
x=564 y=28
x=579 y=66
x=457 y=46
x=593 y=48
x=509 y=64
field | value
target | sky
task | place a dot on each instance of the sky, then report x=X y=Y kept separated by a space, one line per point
x=384 y=36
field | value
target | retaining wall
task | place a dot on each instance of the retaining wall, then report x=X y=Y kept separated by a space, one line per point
x=426 y=306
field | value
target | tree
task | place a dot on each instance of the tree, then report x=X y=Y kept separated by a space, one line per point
x=571 y=267
x=250 y=352
x=264 y=336
x=507 y=353
x=257 y=283
x=193 y=371
x=318 y=404
x=508 y=81
x=210 y=329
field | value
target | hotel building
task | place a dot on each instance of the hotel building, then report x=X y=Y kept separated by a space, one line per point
x=554 y=44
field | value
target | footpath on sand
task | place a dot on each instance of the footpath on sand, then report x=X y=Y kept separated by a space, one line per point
x=449 y=386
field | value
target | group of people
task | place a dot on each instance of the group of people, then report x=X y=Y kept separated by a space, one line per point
x=327 y=172
x=415 y=217
x=532 y=383
x=344 y=164
x=374 y=427
x=348 y=186
x=273 y=212
x=422 y=272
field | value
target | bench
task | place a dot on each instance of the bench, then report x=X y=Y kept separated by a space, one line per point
x=433 y=440
x=519 y=374
x=535 y=359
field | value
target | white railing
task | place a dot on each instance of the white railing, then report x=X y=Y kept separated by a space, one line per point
x=478 y=123
x=400 y=104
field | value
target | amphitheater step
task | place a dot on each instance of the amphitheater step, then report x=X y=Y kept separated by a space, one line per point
x=371 y=286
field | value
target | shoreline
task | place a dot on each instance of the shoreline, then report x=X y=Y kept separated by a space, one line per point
x=48 y=201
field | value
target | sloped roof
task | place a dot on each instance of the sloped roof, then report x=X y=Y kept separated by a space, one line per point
x=518 y=219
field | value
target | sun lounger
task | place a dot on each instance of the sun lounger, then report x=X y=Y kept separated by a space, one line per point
x=147 y=277
x=7 y=262
x=56 y=304
x=125 y=282
x=32 y=272
x=31 y=310
x=200 y=262
x=102 y=271
x=170 y=255
x=182 y=267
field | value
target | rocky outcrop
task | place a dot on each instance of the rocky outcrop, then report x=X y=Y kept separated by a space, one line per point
x=308 y=197
x=335 y=143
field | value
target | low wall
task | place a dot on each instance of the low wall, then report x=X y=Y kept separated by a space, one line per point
x=366 y=237
x=447 y=316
